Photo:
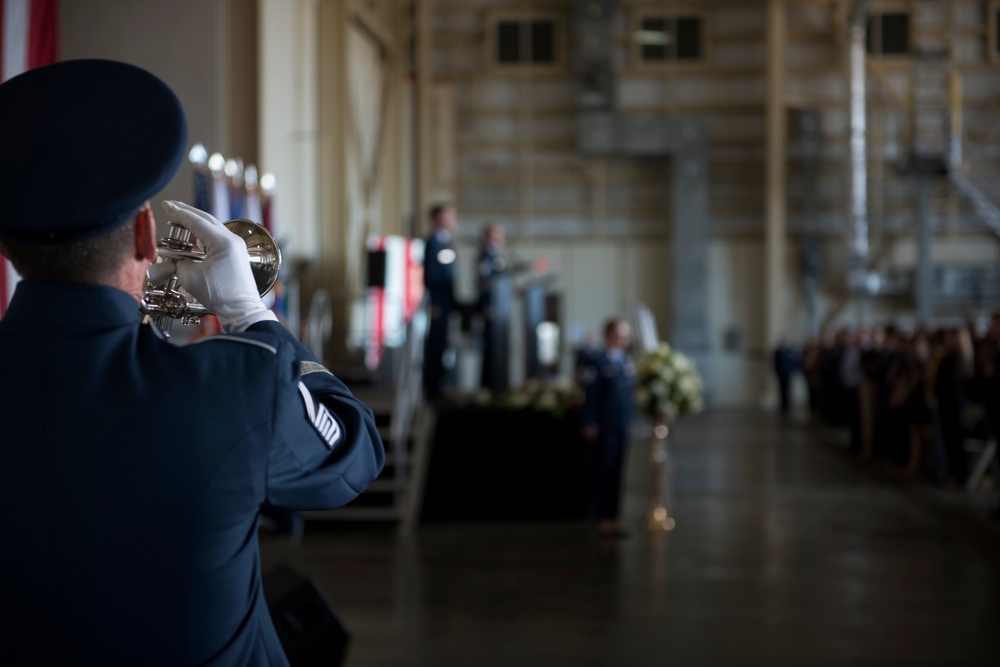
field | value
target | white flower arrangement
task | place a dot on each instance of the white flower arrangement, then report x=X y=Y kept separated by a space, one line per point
x=668 y=385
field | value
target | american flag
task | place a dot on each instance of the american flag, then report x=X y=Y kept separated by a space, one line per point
x=29 y=38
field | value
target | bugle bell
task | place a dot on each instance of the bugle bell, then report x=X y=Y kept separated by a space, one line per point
x=164 y=300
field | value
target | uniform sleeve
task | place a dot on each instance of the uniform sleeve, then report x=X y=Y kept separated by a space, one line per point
x=326 y=447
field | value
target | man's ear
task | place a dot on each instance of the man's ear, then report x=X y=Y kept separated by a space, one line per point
x=145 y=234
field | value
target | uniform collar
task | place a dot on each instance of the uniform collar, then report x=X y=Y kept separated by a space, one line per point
x=442 y=235
x=70 y=305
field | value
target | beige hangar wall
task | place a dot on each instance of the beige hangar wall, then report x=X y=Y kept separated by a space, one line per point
x=288 y=102
x=604 y=223
x=178 y=40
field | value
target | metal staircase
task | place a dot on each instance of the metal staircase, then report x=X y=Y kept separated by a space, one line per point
x=936 y=128
x=405 y=426
x=936 y=134
x=933 y=131
x=977 y=177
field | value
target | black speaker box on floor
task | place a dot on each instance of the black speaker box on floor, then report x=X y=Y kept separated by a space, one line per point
x=308 y=626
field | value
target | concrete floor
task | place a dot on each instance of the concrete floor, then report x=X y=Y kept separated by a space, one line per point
x=785 y=554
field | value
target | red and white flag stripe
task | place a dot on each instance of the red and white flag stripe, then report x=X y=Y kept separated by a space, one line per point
x=28 y=38
x=392 y=306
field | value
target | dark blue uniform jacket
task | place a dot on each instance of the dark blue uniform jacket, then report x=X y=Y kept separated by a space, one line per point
x=609 y=385
x=132 y=472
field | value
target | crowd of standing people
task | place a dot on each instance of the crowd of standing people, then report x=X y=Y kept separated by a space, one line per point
x=911 y=398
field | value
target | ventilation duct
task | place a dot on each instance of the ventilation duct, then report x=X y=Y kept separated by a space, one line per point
x=857 y=260
x=593 y=26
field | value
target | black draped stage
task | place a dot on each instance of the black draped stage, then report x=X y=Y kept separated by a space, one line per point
x=490 y=463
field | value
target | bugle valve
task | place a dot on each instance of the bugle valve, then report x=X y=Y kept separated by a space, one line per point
x=164 y=300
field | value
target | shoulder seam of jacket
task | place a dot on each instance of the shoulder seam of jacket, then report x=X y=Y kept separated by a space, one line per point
x=237 y=339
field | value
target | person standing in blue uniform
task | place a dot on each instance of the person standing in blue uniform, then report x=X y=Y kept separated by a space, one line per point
x=439 y=280
x=492 y=263
x=609 y=385
x=132 y=471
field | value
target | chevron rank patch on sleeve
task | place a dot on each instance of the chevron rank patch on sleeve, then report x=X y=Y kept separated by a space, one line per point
x=322 y=419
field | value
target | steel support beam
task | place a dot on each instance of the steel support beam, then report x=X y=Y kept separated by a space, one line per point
x=691 y=228
x=924 y=282
x=775 y=181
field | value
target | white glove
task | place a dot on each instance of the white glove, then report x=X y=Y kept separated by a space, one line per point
x=222 y=282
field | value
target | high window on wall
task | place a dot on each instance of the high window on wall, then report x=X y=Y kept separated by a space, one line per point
x=525 y=40
x=889 y=34
x=661 y=39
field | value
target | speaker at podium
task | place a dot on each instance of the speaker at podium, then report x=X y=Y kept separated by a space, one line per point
x=311 y=632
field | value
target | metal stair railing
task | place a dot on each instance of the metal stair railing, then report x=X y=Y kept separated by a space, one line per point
x=319 y=324
x=974 y=173
x=979 y=179
x=408 y=400
x=416 y=422
x=404 y=427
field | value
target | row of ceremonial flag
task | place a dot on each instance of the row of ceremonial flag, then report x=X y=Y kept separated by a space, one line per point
x=29 y=38
x=228 y=190
x=395 y=288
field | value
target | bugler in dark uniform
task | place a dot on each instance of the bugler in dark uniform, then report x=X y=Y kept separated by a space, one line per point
x=133 y=470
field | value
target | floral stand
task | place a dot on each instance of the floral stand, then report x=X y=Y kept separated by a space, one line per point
x=668 y=388
x=659 y=515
